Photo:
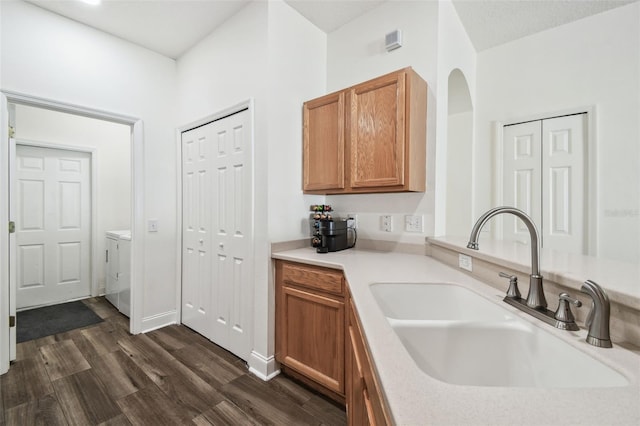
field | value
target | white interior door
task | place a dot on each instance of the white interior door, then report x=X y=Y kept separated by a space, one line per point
x=53 y=225
x=196 y=229
x=563 y=183
x=522 y=178
x=544 y=175
x=217 y=284
x=232 y=204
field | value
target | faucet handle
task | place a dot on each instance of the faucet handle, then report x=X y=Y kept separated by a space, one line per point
x=564 y=314
x=513 y=292
x=598 y=319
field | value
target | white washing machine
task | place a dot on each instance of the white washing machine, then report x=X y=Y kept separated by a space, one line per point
x=118 y=265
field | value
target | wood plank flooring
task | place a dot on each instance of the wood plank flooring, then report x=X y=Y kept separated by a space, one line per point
x=102 y=375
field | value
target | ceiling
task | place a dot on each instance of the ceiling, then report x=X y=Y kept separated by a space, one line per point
x=171 y=27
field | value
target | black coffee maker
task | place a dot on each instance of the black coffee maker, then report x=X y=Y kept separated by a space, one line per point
x=330 y=234
x=333 y=236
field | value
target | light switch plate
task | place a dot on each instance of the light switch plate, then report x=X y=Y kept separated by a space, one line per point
x=152 y=225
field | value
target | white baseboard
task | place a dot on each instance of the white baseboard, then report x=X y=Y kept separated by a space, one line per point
x=266 y=368
x=157 y=321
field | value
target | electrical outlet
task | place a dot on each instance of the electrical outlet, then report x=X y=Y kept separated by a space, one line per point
x=414 y=223
x=352 y=220
x=465 y=262
x=386 y=223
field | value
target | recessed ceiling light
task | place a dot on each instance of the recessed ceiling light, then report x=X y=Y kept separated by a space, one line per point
x=92 y=2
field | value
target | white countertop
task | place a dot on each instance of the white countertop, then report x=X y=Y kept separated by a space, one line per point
x=415 y=398
x=620 y=279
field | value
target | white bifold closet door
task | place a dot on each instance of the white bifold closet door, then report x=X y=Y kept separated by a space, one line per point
x=217 y=234
x=53 y=225
x=544 y=175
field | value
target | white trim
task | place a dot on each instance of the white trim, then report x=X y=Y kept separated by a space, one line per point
x=5 y=356
x=94 y=255
x=496 y=227
x=179 y=225
x=157 y=321
x=13 y=303
x=138 y=236
x=266 y=368
x=35 y=101
x=247 y=104
x=591 y=201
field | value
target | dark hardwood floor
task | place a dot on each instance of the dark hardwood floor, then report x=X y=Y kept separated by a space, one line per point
x=102 y=375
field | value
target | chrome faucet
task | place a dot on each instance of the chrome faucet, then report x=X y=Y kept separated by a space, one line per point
x=535 y=297
x=598 y=319
x=536 y=303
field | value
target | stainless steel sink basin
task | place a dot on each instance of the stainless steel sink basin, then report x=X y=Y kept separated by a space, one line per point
x=459 y=337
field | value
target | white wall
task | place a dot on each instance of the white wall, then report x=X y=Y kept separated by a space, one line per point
x=356 y=53
x=270 y=53
x=112 y=144
x=224 y=69
x=455 y=52
x=297 y=72
x=459 y=219
x=47 y=56
x=591 y=62
x=434 y=43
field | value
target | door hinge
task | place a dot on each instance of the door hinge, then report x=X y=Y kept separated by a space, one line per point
x=12 y=321
x=12 y=227
x=12 y=132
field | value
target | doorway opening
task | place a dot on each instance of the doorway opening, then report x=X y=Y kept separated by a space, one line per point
x=134 y=152
x=459 y=155
x=71 y=186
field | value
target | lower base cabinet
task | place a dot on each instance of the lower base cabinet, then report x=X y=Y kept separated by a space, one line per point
x=365 y=404
x=310 y=324
x=319 y=340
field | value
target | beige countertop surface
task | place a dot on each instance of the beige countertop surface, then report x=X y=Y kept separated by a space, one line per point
x=416 y=398
x=620 y=279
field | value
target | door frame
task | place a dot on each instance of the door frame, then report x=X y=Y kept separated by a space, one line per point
x=7 y=349
x=497 y=142
x=93 y=233
x=247 y=104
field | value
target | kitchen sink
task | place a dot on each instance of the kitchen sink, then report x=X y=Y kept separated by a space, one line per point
x=434 y=301
x=459 y=337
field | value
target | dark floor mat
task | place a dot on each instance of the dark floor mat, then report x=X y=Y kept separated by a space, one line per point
x=42 y=322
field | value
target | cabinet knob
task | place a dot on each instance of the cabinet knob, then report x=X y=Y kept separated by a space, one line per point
x=201 y=241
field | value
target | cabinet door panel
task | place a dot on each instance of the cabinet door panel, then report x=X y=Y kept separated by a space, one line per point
x=312 y=340
x=377 y=110
x=323 y=149
x=369 y=401
x=357 y=408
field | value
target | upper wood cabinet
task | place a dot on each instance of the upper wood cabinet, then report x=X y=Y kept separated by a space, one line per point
x=324 y=143
x=368 y=138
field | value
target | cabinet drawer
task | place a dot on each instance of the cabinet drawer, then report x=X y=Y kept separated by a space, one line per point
x=316 y=278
